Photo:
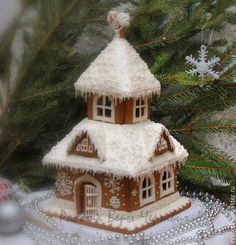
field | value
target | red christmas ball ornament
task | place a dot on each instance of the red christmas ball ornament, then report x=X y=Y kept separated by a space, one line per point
x=6 y=190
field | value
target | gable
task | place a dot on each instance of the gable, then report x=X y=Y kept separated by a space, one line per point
x=164 y=144
x=83 y=146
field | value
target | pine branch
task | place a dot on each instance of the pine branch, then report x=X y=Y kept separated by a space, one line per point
x=25 y=70
x=208 y=127
x=214 y=152
x=181 y=93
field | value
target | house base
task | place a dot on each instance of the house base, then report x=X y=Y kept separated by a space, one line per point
x=121 y=221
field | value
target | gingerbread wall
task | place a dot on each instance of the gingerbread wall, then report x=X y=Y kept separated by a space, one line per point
x=119 y=194
x=123 y=110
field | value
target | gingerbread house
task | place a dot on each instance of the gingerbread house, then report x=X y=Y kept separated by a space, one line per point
x=116 y=169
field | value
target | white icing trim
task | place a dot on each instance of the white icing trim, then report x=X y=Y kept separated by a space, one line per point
x=122 y=219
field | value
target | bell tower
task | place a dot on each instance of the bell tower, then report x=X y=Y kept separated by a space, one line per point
x=119 y=84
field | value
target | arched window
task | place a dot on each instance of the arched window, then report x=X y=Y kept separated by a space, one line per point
x=167 y=181
x=84 y=146
x=103 y=109
x=140 y=109
x=147 y=190
x=163 y=144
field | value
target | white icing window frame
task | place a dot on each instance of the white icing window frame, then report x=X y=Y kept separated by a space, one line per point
x=103 y=107
x=140 y=106
x=152 y=198
x=84 y=145
x=167 y=180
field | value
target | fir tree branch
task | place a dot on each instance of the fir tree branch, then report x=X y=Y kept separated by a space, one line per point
x=229 y=127
x=182 y=94
x=228 y=75
x=227 y=58
x=214 y=152
x=25 y=70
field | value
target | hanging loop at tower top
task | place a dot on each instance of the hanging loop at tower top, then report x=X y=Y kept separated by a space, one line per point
x=119 y=22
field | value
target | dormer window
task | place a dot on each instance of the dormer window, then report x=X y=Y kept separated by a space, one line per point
x=140 y=109
x=163 y=145
x=103 y=109
x=83 y=146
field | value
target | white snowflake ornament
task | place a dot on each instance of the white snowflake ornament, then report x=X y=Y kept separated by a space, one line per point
x=113 y=183
x=115 y=202
x=203 y=67
x=64 y=184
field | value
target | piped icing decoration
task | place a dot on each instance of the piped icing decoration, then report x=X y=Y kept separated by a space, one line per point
x=119 y=22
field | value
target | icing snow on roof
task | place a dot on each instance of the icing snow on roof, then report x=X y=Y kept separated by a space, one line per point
x=118 y=71
x=126 y=150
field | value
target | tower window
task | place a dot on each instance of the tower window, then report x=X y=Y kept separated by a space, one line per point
x=140 y=109
x=103 y=109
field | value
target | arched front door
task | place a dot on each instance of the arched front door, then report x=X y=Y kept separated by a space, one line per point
x=88 y=194
x=90 y=199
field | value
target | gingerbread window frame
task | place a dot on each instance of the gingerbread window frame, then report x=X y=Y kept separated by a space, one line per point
x=102 y=107
x=145 y=188
x=140 y=109
x=167 y=181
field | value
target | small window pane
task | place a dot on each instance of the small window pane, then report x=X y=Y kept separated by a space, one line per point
x=78 y=147
x=164 y=186
x=142 y=111
x=108 y=101
x=144 y=183
x=137 y=102
x=142 y=102
x=149 y=192
x=100 y=101
x=84 y=145
x=99 y=112
x=149 y=182
x=90 y=148
x=164 y=176
x=169 y=184
x=144 y=194
x=137 y=112
x=107 y=113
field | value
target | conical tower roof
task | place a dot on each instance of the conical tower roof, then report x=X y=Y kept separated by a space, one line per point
x=118 y=71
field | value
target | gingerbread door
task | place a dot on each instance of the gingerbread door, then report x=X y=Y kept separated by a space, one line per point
x=90 y=200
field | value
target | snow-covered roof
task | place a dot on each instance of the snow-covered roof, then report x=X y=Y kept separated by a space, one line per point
x=118 y=71
x=126 y=150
